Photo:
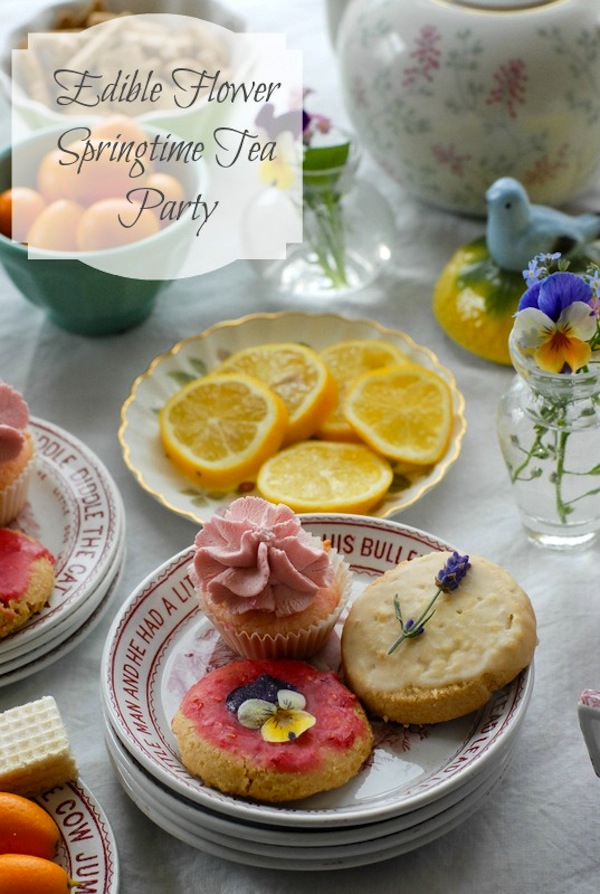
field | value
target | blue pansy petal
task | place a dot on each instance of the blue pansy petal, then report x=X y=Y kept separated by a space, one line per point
x=559 y=290
x=530 y=297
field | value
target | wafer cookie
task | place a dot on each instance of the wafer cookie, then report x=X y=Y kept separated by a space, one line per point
x=35 y=754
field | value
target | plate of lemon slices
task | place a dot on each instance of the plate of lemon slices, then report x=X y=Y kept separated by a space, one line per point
x=318 y=411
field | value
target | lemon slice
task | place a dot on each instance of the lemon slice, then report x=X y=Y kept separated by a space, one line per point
x=402 y=412
x=325 y=476
x=219 y=429
x=347 y=360
x=297 y=374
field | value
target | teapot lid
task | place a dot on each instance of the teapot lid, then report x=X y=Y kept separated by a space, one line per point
x=499 y=5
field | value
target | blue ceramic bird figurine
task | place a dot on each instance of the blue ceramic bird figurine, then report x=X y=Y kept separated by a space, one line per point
x=517 y=230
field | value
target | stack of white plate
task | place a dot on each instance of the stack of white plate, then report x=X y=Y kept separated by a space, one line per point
x=418 y=783
x=75 y=510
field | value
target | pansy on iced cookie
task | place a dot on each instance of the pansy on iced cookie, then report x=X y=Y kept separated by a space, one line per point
x=273 y=707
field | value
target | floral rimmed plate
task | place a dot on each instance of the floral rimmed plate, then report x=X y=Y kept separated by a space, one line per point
x=75 y=510
x=31 y=661
x=160 y=643
x=191 y=824
x=197 y=355
x=259 y=837
x=87 y=848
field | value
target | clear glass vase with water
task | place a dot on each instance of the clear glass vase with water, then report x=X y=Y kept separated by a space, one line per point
x=549 y=433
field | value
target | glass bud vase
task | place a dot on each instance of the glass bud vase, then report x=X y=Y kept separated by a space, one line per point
x=549 y=433
x=348 y=235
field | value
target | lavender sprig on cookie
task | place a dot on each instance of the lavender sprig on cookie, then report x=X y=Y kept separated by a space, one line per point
x=447 y=580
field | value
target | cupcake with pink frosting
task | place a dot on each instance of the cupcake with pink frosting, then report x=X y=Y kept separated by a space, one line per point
x=271 y=589
x=16 y=453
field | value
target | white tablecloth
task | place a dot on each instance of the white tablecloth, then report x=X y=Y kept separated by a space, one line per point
x=540 y=832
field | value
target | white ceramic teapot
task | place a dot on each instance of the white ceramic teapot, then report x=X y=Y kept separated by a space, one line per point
x=449 y=95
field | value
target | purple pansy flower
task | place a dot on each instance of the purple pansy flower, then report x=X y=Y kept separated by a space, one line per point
x=555 y=320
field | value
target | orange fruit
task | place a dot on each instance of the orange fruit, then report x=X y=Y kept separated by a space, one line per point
x=6 y=213
x=347 y=360
x=110 y=223
x=402 y=412
x=27 y=874
x=55 y=228
x=325 y=476
x=19 y=207
x=219 y=429
x=26 y=828
x=297 y=374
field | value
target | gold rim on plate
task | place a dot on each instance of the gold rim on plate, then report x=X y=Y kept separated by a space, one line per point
x=197 y=354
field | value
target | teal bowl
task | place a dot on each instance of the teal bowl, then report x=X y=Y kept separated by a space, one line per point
x=76 y=296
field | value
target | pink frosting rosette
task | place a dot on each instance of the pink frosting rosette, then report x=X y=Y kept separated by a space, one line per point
x=271 y=588
x=14 y=419
x=14 y=480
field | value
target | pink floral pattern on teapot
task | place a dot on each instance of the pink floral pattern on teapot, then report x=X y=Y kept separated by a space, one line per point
x=447 y=98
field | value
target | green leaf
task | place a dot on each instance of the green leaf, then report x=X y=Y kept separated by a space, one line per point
x=323 y=165
x=324 y=158
x=198 y=364
x=501 y=289
x=182 y=378
x=399 y=483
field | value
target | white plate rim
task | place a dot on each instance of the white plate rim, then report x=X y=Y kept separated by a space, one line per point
x=138 y=430
x=84 y=565
x=87 y=839
x=60 y=647
x=22 y=653
x=269 y=835
x=414 y=838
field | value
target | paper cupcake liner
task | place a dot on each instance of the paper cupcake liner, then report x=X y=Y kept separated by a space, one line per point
x=14 y=496
x=300 y=644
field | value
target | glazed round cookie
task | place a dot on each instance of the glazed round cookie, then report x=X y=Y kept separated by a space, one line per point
x=272 y=729
x=481 y=635
x=27 y=579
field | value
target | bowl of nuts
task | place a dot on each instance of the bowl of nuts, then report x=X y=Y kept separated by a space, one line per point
x=97 y=57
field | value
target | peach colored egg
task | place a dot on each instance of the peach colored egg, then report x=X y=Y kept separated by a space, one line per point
x=120 y=128
x=110 y=223
x=56 y=180
x=171 y=189
x=104 y=177
x=55 y=227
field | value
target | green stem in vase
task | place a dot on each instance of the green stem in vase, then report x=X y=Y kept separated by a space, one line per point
x=537 y=450
x=328 y=240
x=323 y=166
x=562 y=508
